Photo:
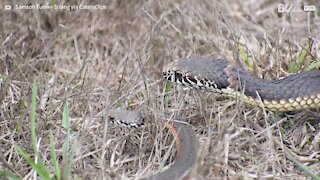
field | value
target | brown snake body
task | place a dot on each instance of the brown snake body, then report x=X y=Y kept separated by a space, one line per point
x=185 y=141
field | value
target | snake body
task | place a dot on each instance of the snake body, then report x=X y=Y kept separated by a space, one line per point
x=186 y=156
x=185 y=141
x=293 y=93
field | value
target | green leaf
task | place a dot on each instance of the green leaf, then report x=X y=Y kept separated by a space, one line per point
x=294 y=67
x=65 y=116
x=302 y=167
x=54 y=157
x=66 y=125
x=313 y=66
x=39 y=167
x=9 y=175
x=67 y=158
x=33 y=115
x=168 y=88
x=245 y=57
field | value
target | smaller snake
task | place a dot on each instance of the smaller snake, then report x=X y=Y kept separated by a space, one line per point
x=185 y=141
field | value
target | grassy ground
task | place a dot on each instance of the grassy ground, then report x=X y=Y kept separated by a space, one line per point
x=101 y=59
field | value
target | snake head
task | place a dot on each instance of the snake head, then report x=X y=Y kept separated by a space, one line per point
x=126 y=118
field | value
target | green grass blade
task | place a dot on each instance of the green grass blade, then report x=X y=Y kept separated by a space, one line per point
x=67 y=160
x=66 y=125
x=23 y=112
x=70 y=161
x=245 y=57
x=3 y=90
x=313 y=66
x=33 y=115
x=39 y=167
x=168 y=88
x=8 y=175
x=294 y=67
x=302 y=167
x=54 y=160
x=65 y=116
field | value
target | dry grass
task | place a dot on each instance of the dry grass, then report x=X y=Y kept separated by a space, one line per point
x=114 y=58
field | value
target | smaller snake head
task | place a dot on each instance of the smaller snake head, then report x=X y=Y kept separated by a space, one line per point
x=127 y=118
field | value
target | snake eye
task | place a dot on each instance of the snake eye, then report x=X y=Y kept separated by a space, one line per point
x=165 y=74
x=178 y=76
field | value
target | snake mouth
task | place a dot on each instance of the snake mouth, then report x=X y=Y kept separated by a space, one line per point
x=191 y=81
